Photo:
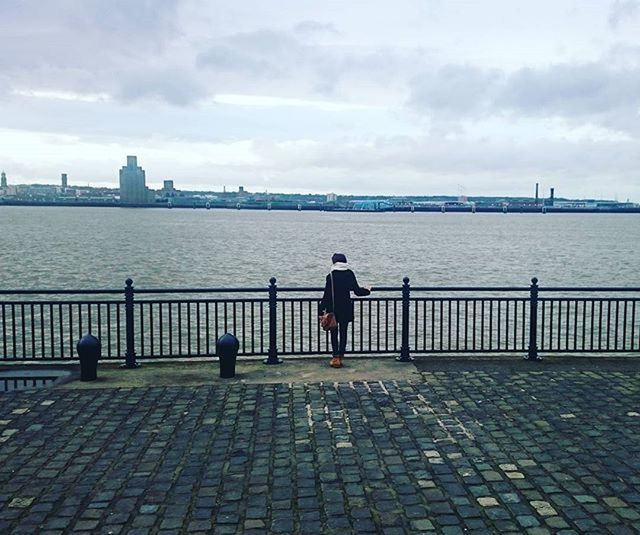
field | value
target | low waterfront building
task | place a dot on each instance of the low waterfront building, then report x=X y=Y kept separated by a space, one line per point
x=371 y=205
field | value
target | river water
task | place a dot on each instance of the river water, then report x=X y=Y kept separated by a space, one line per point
x=56 y=247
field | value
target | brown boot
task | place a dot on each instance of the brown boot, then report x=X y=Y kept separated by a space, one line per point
x=336 y=362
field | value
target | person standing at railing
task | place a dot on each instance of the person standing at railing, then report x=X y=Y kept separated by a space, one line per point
x=340 y=282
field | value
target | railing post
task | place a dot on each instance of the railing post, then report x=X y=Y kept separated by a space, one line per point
x=533 y=322
x=130 y=356
x=273 y=323
x=404 y=348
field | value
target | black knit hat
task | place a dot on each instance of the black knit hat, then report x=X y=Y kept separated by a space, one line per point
x=338 y=257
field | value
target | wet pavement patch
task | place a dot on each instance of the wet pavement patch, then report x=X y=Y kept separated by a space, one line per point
x=12 y=380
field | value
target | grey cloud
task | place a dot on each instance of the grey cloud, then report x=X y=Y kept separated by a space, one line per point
x=66 y=33
x=4 y=87
x=261 y=53
x=591 y=92
x=225 y=58
x=98 y=47
x=453 y=89
x=93 y=46
x=311 y=27
x=572 y=89
x=268 y=55
x=605 y=92
x=622 y=56
x=131 y=19
x=621 y=10
x=173 y=85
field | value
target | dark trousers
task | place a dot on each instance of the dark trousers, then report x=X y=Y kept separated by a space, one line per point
x=339 y=339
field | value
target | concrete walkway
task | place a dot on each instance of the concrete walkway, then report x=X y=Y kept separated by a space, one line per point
x=446 y=446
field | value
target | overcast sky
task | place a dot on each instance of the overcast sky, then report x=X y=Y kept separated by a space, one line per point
x=417 y=97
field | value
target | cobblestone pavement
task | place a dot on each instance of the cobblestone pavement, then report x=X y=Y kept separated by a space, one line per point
x=462 y=450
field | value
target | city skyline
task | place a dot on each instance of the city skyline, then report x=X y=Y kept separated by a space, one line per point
x=420 y=98
x=133 y=188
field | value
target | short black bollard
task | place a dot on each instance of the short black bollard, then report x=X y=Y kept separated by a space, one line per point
x=227 y=350
x=89 y=351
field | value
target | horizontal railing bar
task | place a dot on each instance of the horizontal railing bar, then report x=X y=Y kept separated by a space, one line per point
x=198 y=290
x=300 y=289
x=317 y=289
x=422 y=289
x=588 y=289
x=65 y=303
x=321 y=289
x=588 y=351
x=588 y=299
x=187 y=301
x=60 y=292
x=465 y=351
x=315 y=299
x=470 y=288
x=470 y=298
x=319 y=298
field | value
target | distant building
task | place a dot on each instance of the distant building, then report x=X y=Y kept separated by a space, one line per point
x=64 y=180
x=332 y=197
x=551 y=199
x=133 y=189
x=241 y=190
x=3 y=180
x=167 y=188
x=371 y=205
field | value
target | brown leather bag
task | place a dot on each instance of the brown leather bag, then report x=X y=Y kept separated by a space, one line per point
x=328 y=320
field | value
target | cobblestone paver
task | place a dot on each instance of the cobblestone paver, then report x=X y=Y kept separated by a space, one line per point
x=460 y=451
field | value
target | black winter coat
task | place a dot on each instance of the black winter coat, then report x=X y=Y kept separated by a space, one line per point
x=345 y=283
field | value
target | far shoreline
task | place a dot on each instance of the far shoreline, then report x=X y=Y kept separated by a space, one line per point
x=295 y=207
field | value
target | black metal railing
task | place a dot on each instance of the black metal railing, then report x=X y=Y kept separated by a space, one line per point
x=274 y=322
